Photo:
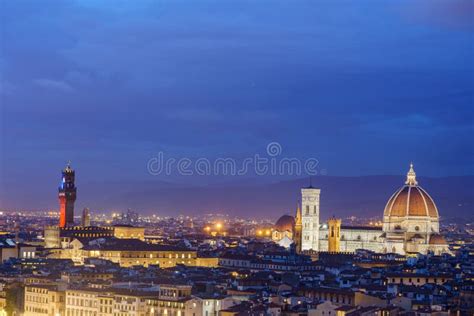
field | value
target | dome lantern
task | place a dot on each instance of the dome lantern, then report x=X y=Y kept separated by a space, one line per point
x=411 y=200
x=411 y=176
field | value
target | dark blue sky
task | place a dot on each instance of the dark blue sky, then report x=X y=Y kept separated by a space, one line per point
x=363 y=86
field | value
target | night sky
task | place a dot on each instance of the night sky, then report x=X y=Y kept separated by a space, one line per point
x=365 y=87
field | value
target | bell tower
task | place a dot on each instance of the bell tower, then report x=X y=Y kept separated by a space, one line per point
x=67 y=197
x=297 y=229
x=310 y=218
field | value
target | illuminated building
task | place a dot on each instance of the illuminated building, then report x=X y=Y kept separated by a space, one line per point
x=86 y=276
x=207 y=262
x=297 y=229
x=3 y=299
x=287 y=230
x=44 y=299
x=129 y=232
x=334 y=238
x=10 y=249
x=283 y=228
x=207 y=305
x=166 y=299
x=67 y=197
x=411 y=221
x=418 y=279
x=310 y=218
x=170 y=300
x=353 y=238
x=129 y=252
x=57 y=237
x=88 y=302
x=107 y=302
x=133 y=252
x=410 y=225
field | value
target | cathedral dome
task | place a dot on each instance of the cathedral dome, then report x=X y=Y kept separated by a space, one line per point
x=286 y=222
x=437 y=239
x=411 y=200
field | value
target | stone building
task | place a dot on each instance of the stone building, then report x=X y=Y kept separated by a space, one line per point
x=410 y=225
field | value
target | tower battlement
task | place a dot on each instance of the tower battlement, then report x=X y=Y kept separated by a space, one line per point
x=67 y=196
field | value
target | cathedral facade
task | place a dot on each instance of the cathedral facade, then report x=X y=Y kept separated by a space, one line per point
x=410 y=225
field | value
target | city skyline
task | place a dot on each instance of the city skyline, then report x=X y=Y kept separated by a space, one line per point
x=236 y=158
x=363 y=197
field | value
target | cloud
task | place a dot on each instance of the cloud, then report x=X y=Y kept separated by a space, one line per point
x=412 y=124
x=53 y=84
x=190 y=114
x=226 y=76
x=455 y=14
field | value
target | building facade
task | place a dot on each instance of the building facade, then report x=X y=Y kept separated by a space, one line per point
x=61 y=237
x=133 y=252
x=129 y=232
x=107 y=302
x=310 y=218
x=410 y=225
x=44 y=299
x=334 y=235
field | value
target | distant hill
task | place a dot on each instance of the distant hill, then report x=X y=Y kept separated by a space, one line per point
x=340 y=196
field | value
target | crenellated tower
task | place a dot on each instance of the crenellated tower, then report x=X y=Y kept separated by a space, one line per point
x=67 y=197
